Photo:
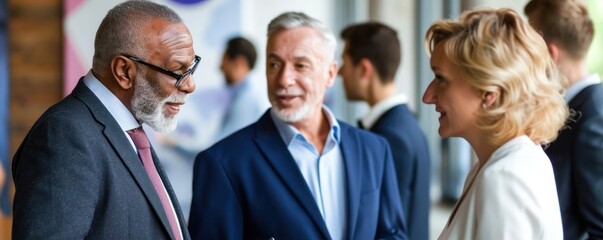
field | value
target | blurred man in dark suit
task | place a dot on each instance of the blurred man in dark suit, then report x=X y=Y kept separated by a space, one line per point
x=370 y=60
x=577 y=154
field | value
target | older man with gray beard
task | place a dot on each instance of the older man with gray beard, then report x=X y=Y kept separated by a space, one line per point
x=86 y=168
x=298 y=172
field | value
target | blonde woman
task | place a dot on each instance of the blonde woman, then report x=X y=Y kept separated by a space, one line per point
x=496 y=86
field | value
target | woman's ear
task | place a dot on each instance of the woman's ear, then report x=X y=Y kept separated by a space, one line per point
x=490 y=98
x=124 y=71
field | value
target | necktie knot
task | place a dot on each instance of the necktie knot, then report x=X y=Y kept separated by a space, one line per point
x=139 y=137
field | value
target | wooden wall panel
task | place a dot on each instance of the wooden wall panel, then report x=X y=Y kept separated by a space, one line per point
x=35 y=63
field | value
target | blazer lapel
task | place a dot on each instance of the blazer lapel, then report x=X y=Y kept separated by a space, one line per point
x=122 y=147
x=276 y=153
x=350 y=152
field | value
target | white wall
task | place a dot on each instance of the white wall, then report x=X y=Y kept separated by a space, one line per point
x=517 y=5
x=401 y=15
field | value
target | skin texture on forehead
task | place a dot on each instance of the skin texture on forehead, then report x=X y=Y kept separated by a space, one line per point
x=296 y=43
x=170 y=45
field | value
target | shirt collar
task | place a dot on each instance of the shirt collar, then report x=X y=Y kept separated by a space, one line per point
x=118 y=110
x=288 y=132
x=573 y=90
x=380 y=108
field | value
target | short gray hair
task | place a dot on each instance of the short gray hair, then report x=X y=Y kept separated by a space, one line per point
x=290 y=20
x=121 y=30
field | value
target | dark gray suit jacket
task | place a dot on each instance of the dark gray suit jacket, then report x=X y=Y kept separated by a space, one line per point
x=77 y=176
x=577 y=159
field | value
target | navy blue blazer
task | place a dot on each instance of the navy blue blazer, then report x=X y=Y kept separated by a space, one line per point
x=577 y=159
x=77 y=176
x=412 y=163
x=248 y=186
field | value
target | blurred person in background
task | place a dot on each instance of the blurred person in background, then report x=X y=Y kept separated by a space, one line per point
x=246 y=102
x=577 y=155
x=371 y=57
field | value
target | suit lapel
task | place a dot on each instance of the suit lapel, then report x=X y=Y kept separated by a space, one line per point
x=350 y=152
x=276 y=153
x=122 y=147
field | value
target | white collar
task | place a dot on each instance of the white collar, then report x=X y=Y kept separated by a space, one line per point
x=574 y=89
x=118 y=110
x=380 y=108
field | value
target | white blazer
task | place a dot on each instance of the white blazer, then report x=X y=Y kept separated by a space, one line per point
x=513 y=196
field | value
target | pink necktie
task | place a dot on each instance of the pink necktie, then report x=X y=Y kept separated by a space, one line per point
x=144 y=152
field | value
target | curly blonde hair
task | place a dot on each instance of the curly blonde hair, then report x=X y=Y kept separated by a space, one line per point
x=499 y=52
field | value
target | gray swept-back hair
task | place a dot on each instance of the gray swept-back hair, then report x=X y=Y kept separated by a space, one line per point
x=290 y=20
x=121 y=30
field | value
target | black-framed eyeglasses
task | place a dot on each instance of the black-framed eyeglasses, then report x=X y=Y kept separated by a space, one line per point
x=178 y=77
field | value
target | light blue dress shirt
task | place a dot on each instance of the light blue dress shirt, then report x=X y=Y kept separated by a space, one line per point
x=324 y=172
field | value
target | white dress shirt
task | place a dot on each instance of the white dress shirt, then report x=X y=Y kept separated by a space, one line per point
x=380 y=108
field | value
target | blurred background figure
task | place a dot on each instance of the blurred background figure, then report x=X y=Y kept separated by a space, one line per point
x=2 y=175
x=577 y=155
x=246 y=102
x=371 y=57
x=497 y=87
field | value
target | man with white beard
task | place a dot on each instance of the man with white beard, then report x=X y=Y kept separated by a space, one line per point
x=86 y=168
x=297 y=173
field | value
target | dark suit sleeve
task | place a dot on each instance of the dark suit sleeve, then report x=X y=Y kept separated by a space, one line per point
x=589 y=175
x=57 y=181
x=405 y=171
x=391 y=216
x=215 y=209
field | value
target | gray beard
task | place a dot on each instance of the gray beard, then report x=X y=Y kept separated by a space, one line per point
x=292 y=116
x=147 y=106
